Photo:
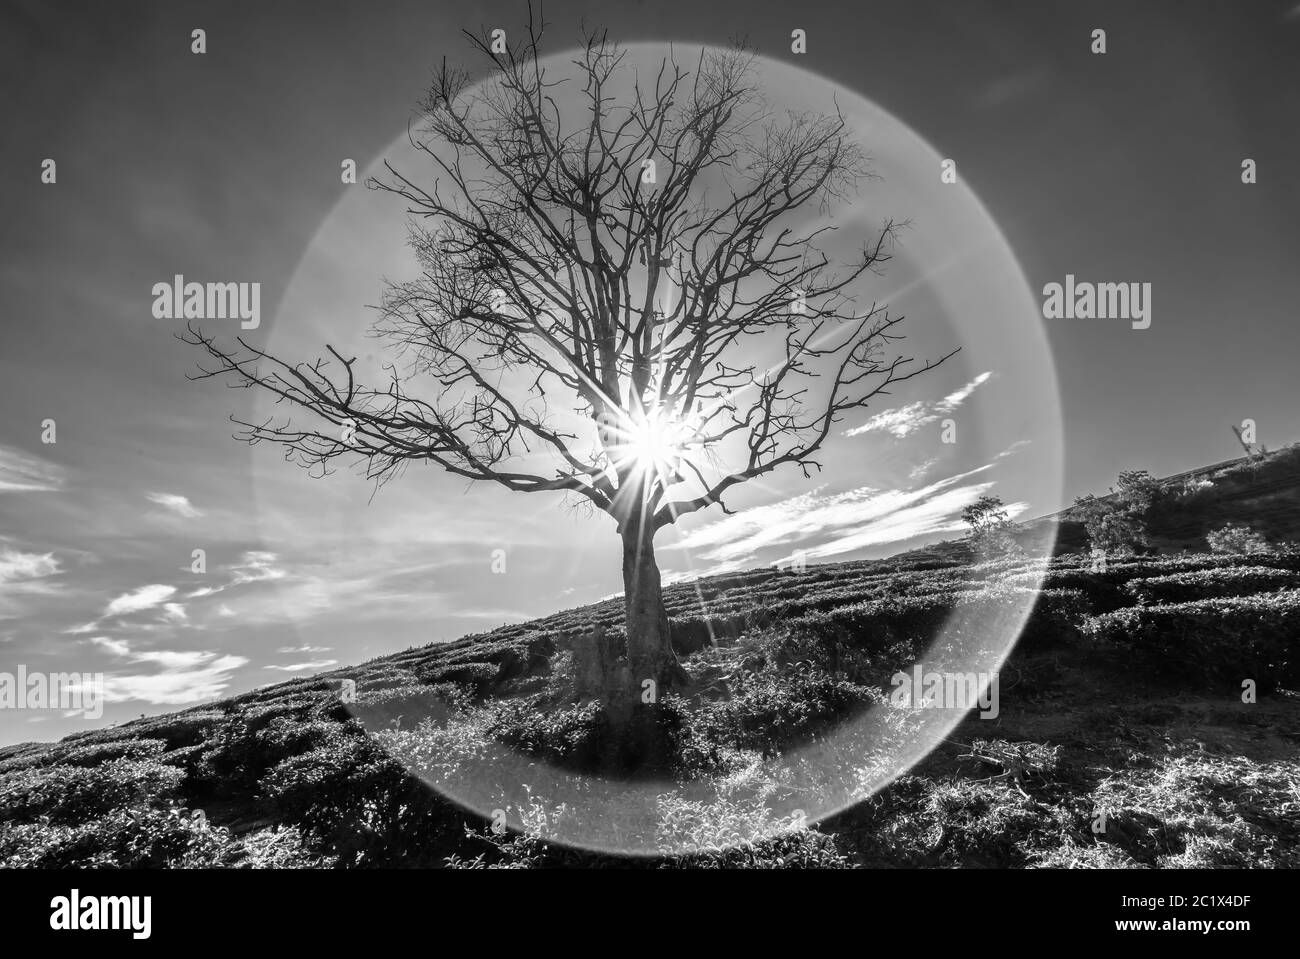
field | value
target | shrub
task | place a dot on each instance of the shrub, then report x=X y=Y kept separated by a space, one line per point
x=990 y=528
x=280 y=847
x=690 y=634
x=1207 y=583
x=775 y=708
x=880 y=623
x=1137 y=491
x=883 y=623
x=804 y=849
x=123 y=838
x=410 y=704
x=584 y=737
x=1112 y=529
x=25 y=756
x=1055 y=617
x=1219 y=641
x=70 y=795
x=476 y=677
x=239 y=754
x=508 y=658
x=1193 y=486
x=97 y=753
x=363 y=804
x=1099 y=592
x=375 y=680
x=1236 y=539
x=187 y=759
x=568 y=737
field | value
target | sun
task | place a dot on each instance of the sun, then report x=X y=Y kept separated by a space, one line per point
x=654 y=441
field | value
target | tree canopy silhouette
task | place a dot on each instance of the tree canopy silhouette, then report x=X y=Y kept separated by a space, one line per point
x=616 y=280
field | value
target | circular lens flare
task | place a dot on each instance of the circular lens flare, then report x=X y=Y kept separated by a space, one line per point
x=956 y=268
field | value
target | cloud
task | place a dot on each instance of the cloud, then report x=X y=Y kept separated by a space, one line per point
x=335 y=584
x=118 y=647
x=17 y=566
x=174 y=612
x=305 y=648
x=254 y=567
x=921 y=469
x=491 y=614
x=787 y=521
x=182 y=676
x=303 y=667
x=23 y=575
x=845 y=521
x=903 y=420
x=939 y=515
x=204 y=677
x=146 y=597
x=176 y=503
x=23 y=473
x=954 y=400
x=1013 y=449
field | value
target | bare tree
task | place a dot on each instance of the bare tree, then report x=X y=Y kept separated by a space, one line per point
x=593 y=291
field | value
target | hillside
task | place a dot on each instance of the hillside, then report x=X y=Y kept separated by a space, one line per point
x=1264 y=492
x=1121 y=705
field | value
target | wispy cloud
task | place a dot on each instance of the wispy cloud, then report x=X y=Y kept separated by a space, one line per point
x=146 y=597
x=823 y=524
x=492 y=615
x=17 y=566
x=118 y=647
x=921 y=469
x=256 y=566
x=24 y=473
x=25 y=575
x=331 y=585
x=181 y=677
x=304 y=667
x=903 y=420
x=305 y=648
x=940 y=515
x=176 y=503
x=174 y=612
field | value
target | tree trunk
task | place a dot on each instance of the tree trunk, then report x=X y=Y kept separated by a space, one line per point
x=649 y=649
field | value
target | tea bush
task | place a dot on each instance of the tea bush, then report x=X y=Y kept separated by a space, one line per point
x=1208 y=583
x=1218 y=641
x=122 y=838
x=774 y=709
x=408 y=704
x=362 y=805
x=1234 y=538
x=70 y=795
x=585 y=738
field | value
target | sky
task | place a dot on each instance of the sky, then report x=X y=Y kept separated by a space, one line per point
x=1115 y=167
